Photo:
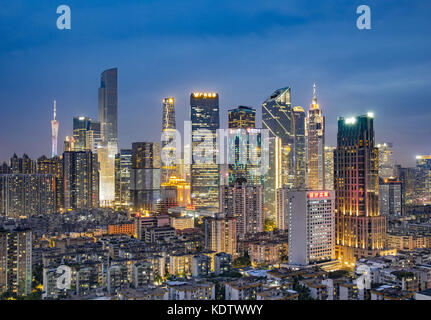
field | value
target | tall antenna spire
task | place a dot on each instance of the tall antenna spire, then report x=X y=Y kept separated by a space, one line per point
x=54 y=128
x=55 y=109
x=314 y=94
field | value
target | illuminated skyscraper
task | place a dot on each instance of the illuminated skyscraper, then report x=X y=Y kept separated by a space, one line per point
x=329 y=167
x=168 y=156
x=86 y=134
x=386 y=161
x=54 y=129
x=244 y=144
x=272 y=179
x=315 y=132
x=108 y=148
x=145 y=176
x=123 y=167
x=242 y=118
x=423 y=179
x=299 y=147
x=277 y=117
x=390 y=196
x=360 y=230
x=69 y=144
x=205 y=175
x=108 y=105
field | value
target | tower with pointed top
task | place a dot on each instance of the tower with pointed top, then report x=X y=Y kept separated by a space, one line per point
x=54 y=130
x=315 y=146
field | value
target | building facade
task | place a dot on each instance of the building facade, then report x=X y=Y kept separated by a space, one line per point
x=360 y=229
x=205 y=175
x=315 y=132
x=311 y=222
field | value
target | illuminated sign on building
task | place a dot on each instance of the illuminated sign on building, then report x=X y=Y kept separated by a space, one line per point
x=318 y=194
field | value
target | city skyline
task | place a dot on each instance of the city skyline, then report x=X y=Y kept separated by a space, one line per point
x=239 y=66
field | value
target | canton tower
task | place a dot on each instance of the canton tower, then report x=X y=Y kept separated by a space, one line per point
x=54 y=127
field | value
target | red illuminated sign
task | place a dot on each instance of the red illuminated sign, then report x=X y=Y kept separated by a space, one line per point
x=318 y=194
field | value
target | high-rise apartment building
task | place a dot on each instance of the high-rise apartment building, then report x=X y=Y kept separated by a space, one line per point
x=205 y=175
x=81 y=180
x=245 y=202
x=123 y=167
x=390 y=197
x=315 y=132
x=145 y=176
x=386 y=161
x=360 y=230
x=168 y=155
x=16 y=261
x=24 y=195
x=23 y=165
x=220 y=234
x=311 y=226
x=53 y=166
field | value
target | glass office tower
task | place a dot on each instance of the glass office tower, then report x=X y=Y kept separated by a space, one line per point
x=205 y=175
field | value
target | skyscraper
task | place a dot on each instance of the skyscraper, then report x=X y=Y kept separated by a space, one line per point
x=315 y=132
x=244 y=144
x=205 y=175
x=108 y=148
x=390 y=197
x=168 y=156
x=423 y=179
x=277 y=117
x=386 y=161
x=329 y=167
x=272 y=179
x=81 y=180
x=54 y=130
x=123 y=167
x=360 y=230
x=242 y=117
x=108 y=105
x=145 y=176
x=299 y=156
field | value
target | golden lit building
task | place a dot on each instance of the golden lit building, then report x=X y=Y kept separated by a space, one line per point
x=315 y=146
x=360 y=230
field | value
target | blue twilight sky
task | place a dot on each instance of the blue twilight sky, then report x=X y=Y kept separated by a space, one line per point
x=242 y=49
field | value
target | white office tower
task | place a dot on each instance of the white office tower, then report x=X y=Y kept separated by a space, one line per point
x=311 y=223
